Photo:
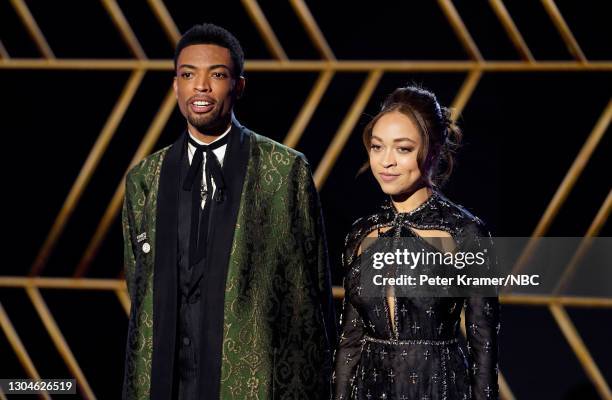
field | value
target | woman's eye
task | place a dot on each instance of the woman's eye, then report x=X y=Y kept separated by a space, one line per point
x=404 y=149
x=375 y=147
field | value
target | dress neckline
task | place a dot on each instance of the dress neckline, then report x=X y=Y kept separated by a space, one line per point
x=420 y=207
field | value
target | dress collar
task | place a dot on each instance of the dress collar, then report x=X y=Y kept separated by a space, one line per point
x=389 y=207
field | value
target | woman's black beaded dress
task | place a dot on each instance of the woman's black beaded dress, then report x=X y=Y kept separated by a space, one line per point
x=421 y=355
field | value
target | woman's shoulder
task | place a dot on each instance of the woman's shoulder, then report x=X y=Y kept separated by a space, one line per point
x=366 y=224
x=360 y=228
x=460 y=216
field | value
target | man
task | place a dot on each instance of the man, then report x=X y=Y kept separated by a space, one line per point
x=225 y=256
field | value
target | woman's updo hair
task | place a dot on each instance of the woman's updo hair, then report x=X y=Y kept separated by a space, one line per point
x=440 y=135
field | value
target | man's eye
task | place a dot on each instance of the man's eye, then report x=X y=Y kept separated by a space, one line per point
x=186 y=75
x=220 y=75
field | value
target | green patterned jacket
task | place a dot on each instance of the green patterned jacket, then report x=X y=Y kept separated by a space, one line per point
x=278 y=318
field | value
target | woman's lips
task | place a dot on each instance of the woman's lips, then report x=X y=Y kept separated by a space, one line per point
x=388 y=177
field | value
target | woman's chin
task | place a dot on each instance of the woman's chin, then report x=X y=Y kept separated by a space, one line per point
x=391 y=190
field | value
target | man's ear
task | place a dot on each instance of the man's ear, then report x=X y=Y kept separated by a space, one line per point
x=239 y=88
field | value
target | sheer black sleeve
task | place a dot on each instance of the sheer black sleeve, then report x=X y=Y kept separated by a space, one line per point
x=482 y=324
x=348 y=353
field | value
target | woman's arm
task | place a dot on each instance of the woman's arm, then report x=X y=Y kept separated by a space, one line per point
x=482 y=325
x=348 y=353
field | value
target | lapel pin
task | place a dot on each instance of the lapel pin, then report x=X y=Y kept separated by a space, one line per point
x=141 y=237
x=146 y=247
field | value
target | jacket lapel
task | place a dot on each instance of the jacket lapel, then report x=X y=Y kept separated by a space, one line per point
x=165 y=279
x=221 y=235
x=165 y=273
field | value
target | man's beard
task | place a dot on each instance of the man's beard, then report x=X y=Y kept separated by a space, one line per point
x=208 y=124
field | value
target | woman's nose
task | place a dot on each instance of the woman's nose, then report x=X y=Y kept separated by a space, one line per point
x=388 y=159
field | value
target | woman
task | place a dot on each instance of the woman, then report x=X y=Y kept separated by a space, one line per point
x=409 y=347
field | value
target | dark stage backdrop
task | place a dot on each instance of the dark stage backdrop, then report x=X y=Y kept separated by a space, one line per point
x=523 y=126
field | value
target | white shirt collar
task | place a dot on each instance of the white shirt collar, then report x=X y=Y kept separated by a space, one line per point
x=218 y=137
x=219 y=152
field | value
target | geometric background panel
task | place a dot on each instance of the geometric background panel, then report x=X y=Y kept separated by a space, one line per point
x=537 y=121
x=329 y=115
x=86 y=95
x=288 y=29
x=104 y=328
x=398 y=40
x=50 y=127
x=488 y=33
x=535 y=26
x=14 y=34
x=590 y=192
x=229 y=14
x=146 y=27
x=91 y=35
x=590 y=35
x=31 y=332
x=596 y=335
x=270 y=92
x=538 y=335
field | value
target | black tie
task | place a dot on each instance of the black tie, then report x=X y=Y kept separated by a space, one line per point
x=199 y=218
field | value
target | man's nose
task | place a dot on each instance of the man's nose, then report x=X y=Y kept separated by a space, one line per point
x=202 y=84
